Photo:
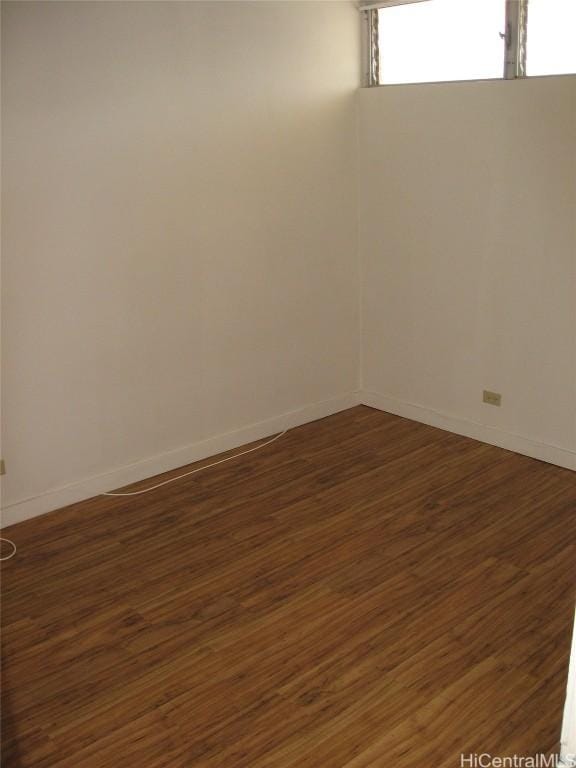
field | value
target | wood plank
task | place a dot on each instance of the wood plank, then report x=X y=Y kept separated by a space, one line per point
x=366 y=591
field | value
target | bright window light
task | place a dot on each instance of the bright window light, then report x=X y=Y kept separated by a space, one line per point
x=440 y=40
x=551 y=44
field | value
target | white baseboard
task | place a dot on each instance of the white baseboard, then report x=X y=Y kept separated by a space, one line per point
x=84 y=489
x=92 y=486
x=491 y=435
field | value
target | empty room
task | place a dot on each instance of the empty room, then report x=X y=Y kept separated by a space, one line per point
x=288 y=456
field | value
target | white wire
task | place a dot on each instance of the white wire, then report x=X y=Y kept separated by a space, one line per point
x=7 y=557
x=172 y=480
x=199 y=469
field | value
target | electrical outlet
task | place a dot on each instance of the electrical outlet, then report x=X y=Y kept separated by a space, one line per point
x=2 y=467
x=492 y=398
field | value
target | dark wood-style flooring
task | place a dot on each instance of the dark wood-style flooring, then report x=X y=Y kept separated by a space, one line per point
x=367 y=591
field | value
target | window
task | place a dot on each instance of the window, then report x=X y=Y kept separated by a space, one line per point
x=435 y=41
x=416 y=41
x=551 y=48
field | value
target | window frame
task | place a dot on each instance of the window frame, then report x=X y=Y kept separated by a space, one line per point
x=515 y=37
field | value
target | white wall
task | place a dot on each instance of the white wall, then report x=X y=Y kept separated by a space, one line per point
x=180 y=244
x=568 y=738
x=179 y=239
x=467 y=240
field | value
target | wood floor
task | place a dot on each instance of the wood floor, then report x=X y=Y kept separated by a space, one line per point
x=367 y=591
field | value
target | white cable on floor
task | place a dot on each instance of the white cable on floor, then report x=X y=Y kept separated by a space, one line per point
x=199 y=469
x=7 y=557
x=172 y=480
